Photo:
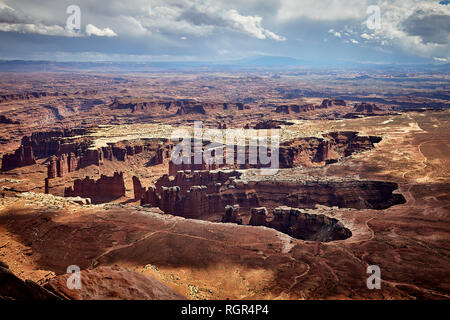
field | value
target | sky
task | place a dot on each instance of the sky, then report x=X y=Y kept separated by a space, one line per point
x=358 y=31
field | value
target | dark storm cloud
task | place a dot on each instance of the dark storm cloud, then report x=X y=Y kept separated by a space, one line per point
x=431 y=28
x=9 y=15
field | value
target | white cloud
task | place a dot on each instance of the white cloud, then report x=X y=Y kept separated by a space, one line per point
x=323 y=10
x=413 y=26
x=440 y=59
x=335 y=33
x=250 y=25
x=41 y=29
x=92 y=30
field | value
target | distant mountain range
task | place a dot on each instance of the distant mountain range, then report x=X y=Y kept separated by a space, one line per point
x=258 y=62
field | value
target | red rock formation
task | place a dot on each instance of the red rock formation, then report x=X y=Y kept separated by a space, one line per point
x=271 y=124
x=169 y=199
x=14 y=288
x=195 y=109
x=46 y=187
x=366 y=108
x=106 y=283
x=26 y=95
x=23 y=156
x=232 y=214
x=138 y=189
x=316 y=151
x=72 y=162
x=62 y=165
x=326 y=103
x=187 y=179
x=202 y=201
x=259 y=216
x=195 y=204
x=101 y=190
x=294 y=108
x=52 y=171
x=301 y=225
x=150 y=197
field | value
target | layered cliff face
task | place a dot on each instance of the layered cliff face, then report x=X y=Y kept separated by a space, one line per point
x=304 y=151
x=26 y=95
x=313 y=151
x=376 y=195
x=366 y=108
x=138 y=189
x=187 y=179
x=101 y=190
x=271 y=124
x=173 y=107
x=39 y=145
x=195 y=109
x=294 y=108
x=222 y=196
x=300 y=224
x=50 y=143
x=23 y=156
x=70 y=150
x=326 y=103
x=232 y=215
x=235 y=200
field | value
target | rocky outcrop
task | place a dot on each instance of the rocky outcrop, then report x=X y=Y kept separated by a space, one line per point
x=271 y=124
x=312 y=151
x=113 y=283
x=259 y=216
x=101 y=190
x=232 y=214
x=162 y=154
x=13 y=288
x=376 y=195
x=194 y=204
x=72 y=150
x=137 y=188
x=195 y=109
x=294 y=108
x=26 y=95
x=297 y=108
x=366 y=108
x=172 y=107
x=213 y=180
x=327 y=103
x=209 y=200
x=48 y=143
x=102 y=283
x=23 y=156
x=301 y=225
x=170 y=198
x=150 y=198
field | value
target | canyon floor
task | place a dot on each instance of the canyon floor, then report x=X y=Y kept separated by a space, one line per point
x=189 y=251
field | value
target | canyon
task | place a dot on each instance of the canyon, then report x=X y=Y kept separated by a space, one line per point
x=87 y=178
